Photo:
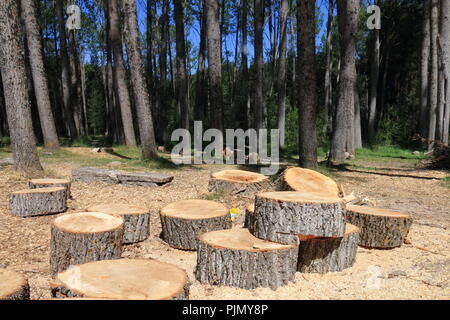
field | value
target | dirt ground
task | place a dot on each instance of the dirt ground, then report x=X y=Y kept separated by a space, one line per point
x=419 y=270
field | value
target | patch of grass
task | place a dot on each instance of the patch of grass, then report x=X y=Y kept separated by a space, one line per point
x=447 y=182
x=388 y=153
x=212 y=196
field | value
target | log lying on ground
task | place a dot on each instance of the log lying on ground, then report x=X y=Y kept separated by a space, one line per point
x=380 y=228
x=305 y=180
x=238 y=182
x=322 y=255
x=236 y=258
x=136 y=220
x=46 y=183
x=146 y=179
x=13 y=286
x=82 y=237
x=281 y=216
x=87 y=174
x=35 y=202
x=6 y=162
x=183 y=221
x=125 y=279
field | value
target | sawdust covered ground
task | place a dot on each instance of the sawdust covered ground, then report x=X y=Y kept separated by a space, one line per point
x=416 y=271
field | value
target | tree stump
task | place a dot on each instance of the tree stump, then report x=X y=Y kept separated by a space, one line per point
x=35 y=202
x=380 y=228
x=124 y=279
x=82 y=237
x=281 y=216
x=136 y=220
x=95 y=175
x=236 y=258
x=45 y=183
x=238 y=182
x=305 y=180
x=13 y=286
x=322 y=255
x=183 y=221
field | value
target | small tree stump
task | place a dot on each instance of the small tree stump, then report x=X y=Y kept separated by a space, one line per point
x=305 y=180
x=281 y=216
x=136 y=220
x=322 y=255
x=95 y=175
x=45 y=183
x=35 y=202
x=124 y=279
x=380 y=228
x=13 y=286
x=183 y=221
x=238 y=182
x=236 y=258
x=82 y=237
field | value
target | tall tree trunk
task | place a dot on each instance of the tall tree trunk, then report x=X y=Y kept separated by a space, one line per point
x=150 y=79
x=344 y=123
x=201 y=98
x=328 y=70
x=357 y=133
x=214 y=63
x=306 y=85
x=77 y=106
x=121 y=87
x=65 y=72
x=292 y=50
x=164 y=101
x=246 y=112
x=434 y=73
x=141 y=96
x=12 y=66
x=259 y=63
x=445 y=37
x=284 y=8
x=374 y=75
x=33 y=36
x=182 y=80
x=425 y=91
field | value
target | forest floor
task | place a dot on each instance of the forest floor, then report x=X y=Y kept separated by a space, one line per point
x=420 y=270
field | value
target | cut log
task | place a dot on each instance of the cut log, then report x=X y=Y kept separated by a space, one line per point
x=322 y=255
x=380 y=228
x=146 y=179
x=82 y=237
x=95 y=175
x=35 y=202
x=238 y=182
x=124 y=279
x=183 y=221
x=281 y=216
x=305 y=180
x=13 y=286
x=46 y=183
x=236 y=258
x=136 y=220
x=6 y=162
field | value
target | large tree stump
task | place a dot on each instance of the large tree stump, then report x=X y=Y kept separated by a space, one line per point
x=146 y=179
x=236 y=258
x=136 y=220
x=305 y=180
x=281 y=216
x=46 y=183
x=35 y=202
x=183 y=221
x=13 y=286
x=95 y=175
x=380 y=228
x=238 y=182
x=124 y=279
x=82 y=237
x=322 y=255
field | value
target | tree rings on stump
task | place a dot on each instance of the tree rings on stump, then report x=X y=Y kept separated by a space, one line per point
x=306 y=180
x=380 y=228
x=136 y=220
x=281 y=216
x=82 y=237
x=236 y=258
x=322 y=255
x=183 y=221
x=35 y=202
x=13 y=286
x=45 y=183
x=125 y=279
x=238 y=182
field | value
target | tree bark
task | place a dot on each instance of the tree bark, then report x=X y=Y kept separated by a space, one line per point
x=13 y=286
x=120 y=82
x=306 y=83
x=374 y=74
x=47 y=183
x=445 y=37
x=35 y=202
x=284 y=8
x=434 y=27
x=328 y=71
x=164 y=100
x=141 y=95
x=75 y=83
x=425 y=76
x=259 y=63
x=201 y=92
x=33 y=36
x=357 y=126
x=246 y=109
x=238 y=182
x=13 y=74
